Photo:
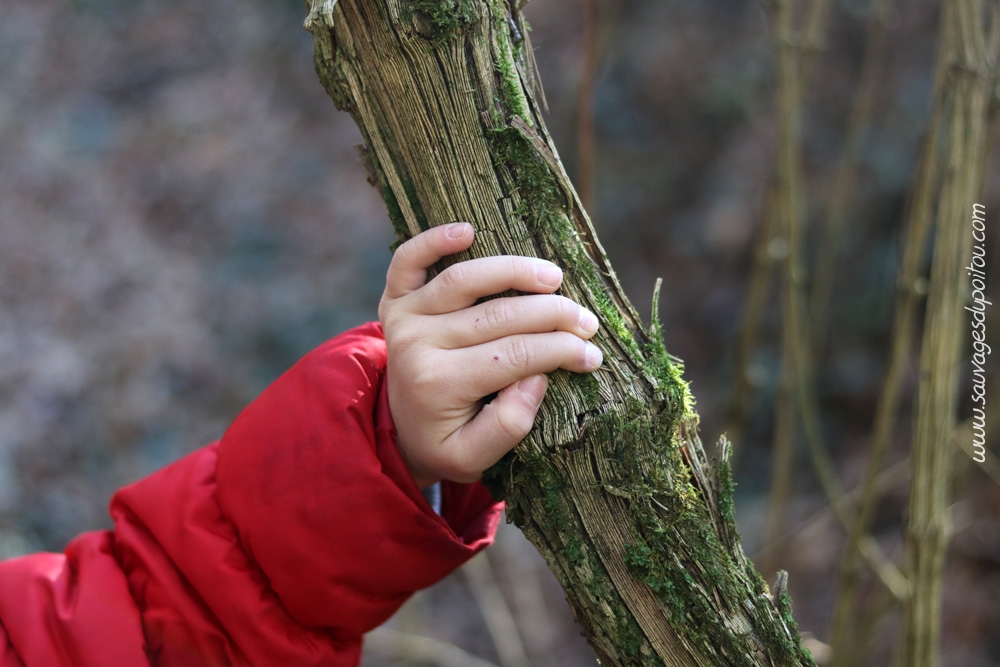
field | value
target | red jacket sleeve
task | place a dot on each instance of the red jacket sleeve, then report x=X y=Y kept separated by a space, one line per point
x=280 y=545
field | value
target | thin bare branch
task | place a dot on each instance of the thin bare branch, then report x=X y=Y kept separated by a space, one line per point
x=586 y=137
x=424 y=650
x=834 y=228
x=499 y=620
x=968 y=76
x=787 y=211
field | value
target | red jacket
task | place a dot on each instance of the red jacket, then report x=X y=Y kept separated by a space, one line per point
x=279 y=545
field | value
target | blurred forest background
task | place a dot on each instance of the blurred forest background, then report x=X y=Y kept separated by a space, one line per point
x=182 y=215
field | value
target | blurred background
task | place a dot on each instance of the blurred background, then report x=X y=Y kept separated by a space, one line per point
x=182 y=215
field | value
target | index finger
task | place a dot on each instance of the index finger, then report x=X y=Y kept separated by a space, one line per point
x=462 y=284
x=408 y=269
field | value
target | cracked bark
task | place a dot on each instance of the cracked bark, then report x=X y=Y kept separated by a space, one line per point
x=613 y=486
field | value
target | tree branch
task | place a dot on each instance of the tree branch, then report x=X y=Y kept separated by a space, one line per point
x=613 y=485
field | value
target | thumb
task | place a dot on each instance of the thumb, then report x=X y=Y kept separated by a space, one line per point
x=501 y=424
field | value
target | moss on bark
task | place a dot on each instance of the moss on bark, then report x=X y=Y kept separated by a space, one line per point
x=613 y=485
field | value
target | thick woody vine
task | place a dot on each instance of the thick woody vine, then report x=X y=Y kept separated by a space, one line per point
x=613 y=486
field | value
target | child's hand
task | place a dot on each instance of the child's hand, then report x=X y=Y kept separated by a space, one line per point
x=445 y=353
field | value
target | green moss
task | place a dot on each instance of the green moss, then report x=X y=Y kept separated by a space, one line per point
x=629 y=635
x=537 y=188
x=541 y=199
x=727 y=488
x=642 y=564
x=418 y=209
x=611 y=318
x=627 y=435
x=558 y=518
x=336 y=86
x=551 y=497
x=595 y=587
x=510 y=80
x=638 y=558
x=791 y=647
x=573 y=550
x=678 y=553
x=529 y=175
x=668 y=371
x=444 y=19
x=588 y=388
x=665 y=368
x=395 y=213
x=756 y=580
x=681 y=574
x=497 y=481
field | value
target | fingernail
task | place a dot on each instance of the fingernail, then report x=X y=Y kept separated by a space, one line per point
x=533 y=389
x=588 y=321
x=594 y=356
x=457 y=230
x=548 y=274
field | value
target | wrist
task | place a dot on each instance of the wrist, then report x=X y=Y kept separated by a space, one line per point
x=421 y=476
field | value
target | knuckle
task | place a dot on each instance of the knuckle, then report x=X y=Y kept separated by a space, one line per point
x=516 y=424
x=568 y=310
x=403 y=345
x=519 y=353
x=499 y=315
x=397 y=324
x=454 y=277
x=561 y=313
x=385 y=311
x=426 y=378
x=401 y=259
x=514 y=266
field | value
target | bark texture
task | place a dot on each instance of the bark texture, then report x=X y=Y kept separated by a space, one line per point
x=613 y=486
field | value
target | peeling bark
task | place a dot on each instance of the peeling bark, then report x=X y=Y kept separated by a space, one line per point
x=613 y=486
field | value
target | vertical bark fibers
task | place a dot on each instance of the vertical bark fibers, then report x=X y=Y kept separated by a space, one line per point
x=613 y=486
